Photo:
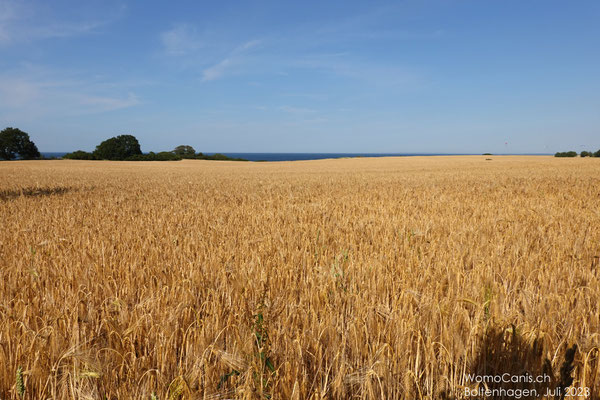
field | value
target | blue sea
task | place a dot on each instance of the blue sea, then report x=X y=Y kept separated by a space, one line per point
x=303 y=156
x=290 y=156
x=313 y=156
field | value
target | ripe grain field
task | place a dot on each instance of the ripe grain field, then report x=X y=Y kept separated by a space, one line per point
x=374 y=278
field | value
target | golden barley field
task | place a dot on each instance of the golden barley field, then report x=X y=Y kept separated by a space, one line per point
x=369 y=278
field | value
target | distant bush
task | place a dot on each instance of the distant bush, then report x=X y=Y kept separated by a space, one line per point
x=586 y=154
x=80 y=155
x=216 y=156
x=166 y=156
x=220 y=157
x=162 y=156
x=597 y=154
x=187 y=152
x=487 y=154
x=566 y=154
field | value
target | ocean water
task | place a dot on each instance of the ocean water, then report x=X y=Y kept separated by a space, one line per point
x=293 y=156
x=318 y=156
x=314 y=156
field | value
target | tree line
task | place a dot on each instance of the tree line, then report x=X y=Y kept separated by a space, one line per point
x=14 y=143
x=574 y=154
x=127 y=148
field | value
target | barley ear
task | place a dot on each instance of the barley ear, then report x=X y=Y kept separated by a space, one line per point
x=20 y=385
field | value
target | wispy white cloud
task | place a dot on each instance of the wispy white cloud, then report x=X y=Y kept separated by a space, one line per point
x=63 y=30
x=104 y=103
x=38 y=93
x=249 y=45
x=293 y=50
x=297 y=110
x=181 y=40
x=216 y=71
x=191 y=49
x=21 y=21
x=307 y=96
x=376 y=23
x=349 y=67
x=235 y=58
x=8 y=13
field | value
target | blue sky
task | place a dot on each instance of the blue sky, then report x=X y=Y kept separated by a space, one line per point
x=448 y=76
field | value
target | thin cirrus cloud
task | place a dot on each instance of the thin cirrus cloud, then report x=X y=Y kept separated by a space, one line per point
x=7 y=15
x=41 y=94
x=235 y=58
x=347 y=66
x=189 y=50
x=181 y=40
x=106 y=103
x=22 y=22
x=185 y=44
x=297 y=110
x=216 y=71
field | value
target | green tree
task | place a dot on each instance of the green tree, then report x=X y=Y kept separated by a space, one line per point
x=566 y=154
x=80 y=155
x=597 y=154
x=118 y=148
x=152 y=156
x=586 y=154
x=16 y=143
x=185 y=151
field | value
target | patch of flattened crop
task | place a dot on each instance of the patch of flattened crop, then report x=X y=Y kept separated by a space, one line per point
x=12 y=194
